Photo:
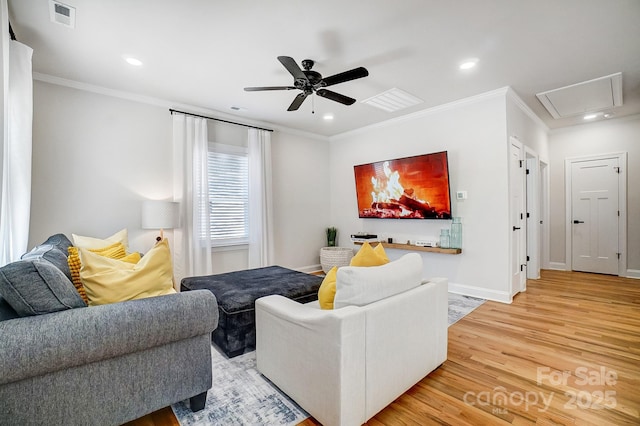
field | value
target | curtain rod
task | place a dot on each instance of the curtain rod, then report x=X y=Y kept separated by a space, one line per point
x=218 y=119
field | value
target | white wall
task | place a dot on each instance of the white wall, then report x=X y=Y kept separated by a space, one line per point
x=300 y=199
x=526 y=127
x=603 y=137
x=474 y=133
x=96 y=157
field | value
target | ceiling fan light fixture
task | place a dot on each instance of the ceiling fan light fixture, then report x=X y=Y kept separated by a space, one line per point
x=311 y=82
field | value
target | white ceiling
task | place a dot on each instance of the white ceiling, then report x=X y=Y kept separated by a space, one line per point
x=204 y=52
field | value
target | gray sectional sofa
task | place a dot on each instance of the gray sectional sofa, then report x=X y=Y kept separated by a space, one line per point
x=102 y=365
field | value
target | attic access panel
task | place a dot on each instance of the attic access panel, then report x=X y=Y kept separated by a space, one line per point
x=594 y=95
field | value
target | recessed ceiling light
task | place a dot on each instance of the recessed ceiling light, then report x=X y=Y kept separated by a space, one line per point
x=468 y=64
x=133 y=61
x=590 y=116
x=328 y=117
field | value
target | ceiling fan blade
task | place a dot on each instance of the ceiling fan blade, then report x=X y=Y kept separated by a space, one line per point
x=335 y=96
x=345 y=76
x=297 y=101
x=292 y=67
x=257 y=89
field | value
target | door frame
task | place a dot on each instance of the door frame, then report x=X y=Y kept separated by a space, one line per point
x=532 y=180
x=622 y=205
x=545 y=263
x=522 y=285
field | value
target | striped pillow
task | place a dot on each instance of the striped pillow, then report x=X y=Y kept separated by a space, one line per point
x=114 y=251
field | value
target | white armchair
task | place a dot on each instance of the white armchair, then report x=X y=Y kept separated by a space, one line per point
x=344 y=365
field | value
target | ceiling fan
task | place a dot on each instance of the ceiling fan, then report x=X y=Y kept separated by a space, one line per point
x=311 y=81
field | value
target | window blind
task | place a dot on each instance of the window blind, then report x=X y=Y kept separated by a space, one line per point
x=228 y=196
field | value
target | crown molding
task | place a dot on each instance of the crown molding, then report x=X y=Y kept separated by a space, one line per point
x=425 y=112
x=513 y=96
x=164 y=103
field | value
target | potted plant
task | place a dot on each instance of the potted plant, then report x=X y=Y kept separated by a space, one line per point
x=332 y=232
x=331 y=255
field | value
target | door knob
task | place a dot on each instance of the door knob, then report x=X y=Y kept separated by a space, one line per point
x=515 y=228
x=578 y=221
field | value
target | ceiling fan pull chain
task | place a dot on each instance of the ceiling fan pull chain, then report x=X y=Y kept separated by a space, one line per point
x=313 y=103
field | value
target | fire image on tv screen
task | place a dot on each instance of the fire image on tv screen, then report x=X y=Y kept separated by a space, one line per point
x=404 y=188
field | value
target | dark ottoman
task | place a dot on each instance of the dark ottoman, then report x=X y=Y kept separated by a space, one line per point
x=237 y=292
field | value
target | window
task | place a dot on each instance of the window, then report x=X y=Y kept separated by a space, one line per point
x=228 y=194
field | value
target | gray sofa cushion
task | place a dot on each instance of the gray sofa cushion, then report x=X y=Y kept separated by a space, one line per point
x=6 y=311
x=35 y=287
x=55 y=250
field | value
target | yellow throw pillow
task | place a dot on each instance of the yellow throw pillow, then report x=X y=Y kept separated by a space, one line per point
x=366 y=256
x=74 y=267
x=93 y=243
x=131 y=258
x=111 y=280
x=114 y=251
x=327 y=290
x=379 y=251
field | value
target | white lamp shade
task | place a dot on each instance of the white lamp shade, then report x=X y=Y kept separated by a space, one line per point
x=159 y=214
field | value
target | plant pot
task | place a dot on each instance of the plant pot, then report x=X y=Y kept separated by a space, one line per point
x=335 y=256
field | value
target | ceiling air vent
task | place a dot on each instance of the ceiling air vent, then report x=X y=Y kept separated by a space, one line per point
x=63 y=14
x=393 y=100
x=599 y=94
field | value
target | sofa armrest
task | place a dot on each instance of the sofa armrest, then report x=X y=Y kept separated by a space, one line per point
x=33 y=346
x=301 y=344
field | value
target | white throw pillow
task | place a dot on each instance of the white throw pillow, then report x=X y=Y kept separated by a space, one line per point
x=360 y=286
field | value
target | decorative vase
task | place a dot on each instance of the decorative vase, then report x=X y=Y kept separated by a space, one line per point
x=456 y=233
x=445 y=238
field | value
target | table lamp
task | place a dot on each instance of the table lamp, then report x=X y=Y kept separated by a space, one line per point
x=159 y=215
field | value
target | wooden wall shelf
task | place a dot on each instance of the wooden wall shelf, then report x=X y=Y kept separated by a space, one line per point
x=414 y=248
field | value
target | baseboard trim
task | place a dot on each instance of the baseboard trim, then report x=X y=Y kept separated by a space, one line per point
x=557 y=266
x=633 y=273
x=309 y=269
x=483 y=293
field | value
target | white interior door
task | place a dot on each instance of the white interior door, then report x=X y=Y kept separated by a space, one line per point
x=517 y=214
x=595 y=215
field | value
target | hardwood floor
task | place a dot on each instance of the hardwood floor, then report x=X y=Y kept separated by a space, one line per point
x=565 y=352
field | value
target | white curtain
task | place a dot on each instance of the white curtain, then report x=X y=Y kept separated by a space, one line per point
x=260 y=199
x=192 y=239
x=16 y=153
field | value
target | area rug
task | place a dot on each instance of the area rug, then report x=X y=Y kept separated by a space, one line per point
x=242 y=396
x=460 y=306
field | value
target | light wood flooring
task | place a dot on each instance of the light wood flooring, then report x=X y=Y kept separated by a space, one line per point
x=565 y=352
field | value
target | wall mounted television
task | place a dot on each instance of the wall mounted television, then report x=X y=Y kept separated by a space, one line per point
x=405 y=188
